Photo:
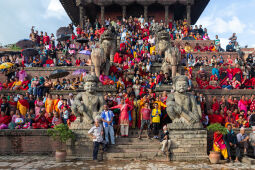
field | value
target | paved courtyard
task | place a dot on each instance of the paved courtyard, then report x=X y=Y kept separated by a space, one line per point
x=45 y=162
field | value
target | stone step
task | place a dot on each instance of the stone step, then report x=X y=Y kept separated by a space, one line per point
x=135 y=146
x=118 y=150
x=130 y=141
x=133 y=155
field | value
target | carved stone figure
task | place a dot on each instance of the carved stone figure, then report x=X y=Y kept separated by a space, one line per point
x=89 y=104
x=99 y=61
x=171 y=54
x=108 y=41
x=182 y=106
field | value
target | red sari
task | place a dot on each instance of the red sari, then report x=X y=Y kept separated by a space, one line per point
x=40 y=122
x=124 y=115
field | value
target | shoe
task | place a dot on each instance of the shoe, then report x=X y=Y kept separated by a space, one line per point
x=139 y=137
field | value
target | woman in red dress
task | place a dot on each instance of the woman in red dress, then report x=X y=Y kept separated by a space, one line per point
x=124 y=117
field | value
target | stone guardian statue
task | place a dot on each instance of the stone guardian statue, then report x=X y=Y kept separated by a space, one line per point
x=89 y=104
x=182 y=107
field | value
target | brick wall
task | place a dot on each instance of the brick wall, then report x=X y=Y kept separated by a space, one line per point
x=17 y=142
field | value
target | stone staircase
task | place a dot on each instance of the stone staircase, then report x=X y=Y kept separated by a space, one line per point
x=132 y=148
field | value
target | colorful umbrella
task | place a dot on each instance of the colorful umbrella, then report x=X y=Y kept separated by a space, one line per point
x=58 y=74
x=79 y=71
x=6 y=65
x=25 y=44
x=85 y=52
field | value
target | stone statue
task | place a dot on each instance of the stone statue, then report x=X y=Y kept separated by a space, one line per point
x=171 y=54
x=89 y=104
x=182 y=106
x=108 y=41
x=99 y=61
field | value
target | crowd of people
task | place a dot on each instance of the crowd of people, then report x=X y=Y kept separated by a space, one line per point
x=135 y=82
x=31 y=112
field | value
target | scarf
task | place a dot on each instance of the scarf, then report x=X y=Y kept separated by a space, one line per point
x=24 y=103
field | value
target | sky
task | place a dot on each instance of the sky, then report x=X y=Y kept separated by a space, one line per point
x=221 y=17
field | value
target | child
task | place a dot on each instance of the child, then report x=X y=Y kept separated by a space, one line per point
x=65 y=114
x=56 y=119
x=19 y=121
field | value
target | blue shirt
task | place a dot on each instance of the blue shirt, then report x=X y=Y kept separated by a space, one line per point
x=107 y=115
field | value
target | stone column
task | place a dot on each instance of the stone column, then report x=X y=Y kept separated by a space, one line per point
x=102 y=15
x=82 y=12
x=145 y=13
x=188 y=9
x=166 y=14
x=124 y=11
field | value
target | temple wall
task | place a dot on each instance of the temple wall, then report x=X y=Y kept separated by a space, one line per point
x=18 y=142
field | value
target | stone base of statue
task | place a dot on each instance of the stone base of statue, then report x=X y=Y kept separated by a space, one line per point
x=188 y=145
x=78 y=124
x=82 y=146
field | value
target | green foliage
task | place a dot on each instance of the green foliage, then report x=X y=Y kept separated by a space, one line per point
x=13 y=47
x=216 y=127
x=61 y=132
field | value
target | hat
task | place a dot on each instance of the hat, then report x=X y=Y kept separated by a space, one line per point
x=70 y=94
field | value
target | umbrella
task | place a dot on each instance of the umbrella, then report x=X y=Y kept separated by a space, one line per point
x=25 y=43
x=63 y=37
x=79 y=71
x=29 y=52
x=85 y=52
x=58 y=74
x=82 y=40
x=64 y=31
x=6 y=65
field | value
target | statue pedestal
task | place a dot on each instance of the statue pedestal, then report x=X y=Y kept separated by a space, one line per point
x=188 y=145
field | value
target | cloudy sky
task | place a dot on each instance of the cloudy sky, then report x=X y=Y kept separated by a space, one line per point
x=222 y=17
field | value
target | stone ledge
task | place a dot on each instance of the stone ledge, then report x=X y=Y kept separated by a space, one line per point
x=23 y=132
x=67 y=68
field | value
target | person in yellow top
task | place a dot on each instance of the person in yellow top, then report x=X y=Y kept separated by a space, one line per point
x=120 y=84
x=49 y=104
x=152 y=48
x=22 y=105
x=55 y=102
x=17 y=84
x=160 y=103
x=188 y=48
x=155 y=119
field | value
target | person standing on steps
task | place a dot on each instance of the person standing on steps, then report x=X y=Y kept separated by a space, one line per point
x=124 y=117
x=155 y=120
x=96 y=133
x=145 y=120
x=107 y=118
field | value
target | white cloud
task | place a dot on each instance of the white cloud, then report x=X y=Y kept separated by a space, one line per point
x=220 y=25
x=55 y=10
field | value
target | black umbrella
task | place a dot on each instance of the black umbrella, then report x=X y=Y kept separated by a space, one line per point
x=58 y=74
x=25 y=44
x=63 y=37
x=29 y=52
x=64 y=31
x=82 y=40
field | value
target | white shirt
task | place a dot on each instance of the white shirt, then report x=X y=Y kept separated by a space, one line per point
x=96 y=131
